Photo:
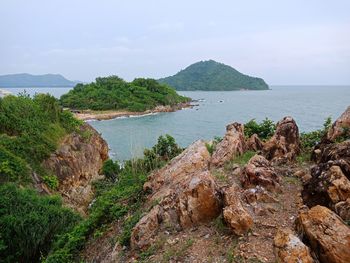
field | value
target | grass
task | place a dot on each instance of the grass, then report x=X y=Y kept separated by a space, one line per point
x=304 y=157
x=240 y=160
x=220 y=176
x=177 y=253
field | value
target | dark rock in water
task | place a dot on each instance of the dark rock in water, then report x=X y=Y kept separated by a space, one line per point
x=284 y=145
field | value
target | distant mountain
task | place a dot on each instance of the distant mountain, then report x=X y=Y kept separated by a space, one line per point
x=28 y=80
x=212 y=75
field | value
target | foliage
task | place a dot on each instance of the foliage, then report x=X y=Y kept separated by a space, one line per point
x=31 y=129
x=211 y=75
x=111 y=169
x=113 y=93
x=264 y=130
x=310 y=139
x=130 y=222
x=29 y=223
x=51 y=181
x=244 y=158
x=13 y=168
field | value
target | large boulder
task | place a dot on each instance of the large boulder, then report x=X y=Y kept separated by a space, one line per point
x=341 y=127
x=328 y=186
x=327 y=234
x=253 y=143
x=288 y=248
x=284 y=145
x=259 y=171
x=235 y=215
x=186 y=194
x=76 y=163
x=232 y=145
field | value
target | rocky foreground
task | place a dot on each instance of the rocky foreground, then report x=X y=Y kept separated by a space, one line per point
x=205 y=207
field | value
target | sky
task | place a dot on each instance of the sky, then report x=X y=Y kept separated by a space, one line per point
x=286 y=42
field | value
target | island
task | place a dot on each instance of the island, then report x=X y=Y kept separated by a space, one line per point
x=28 y=80
x=212 y=75
x=111 y=97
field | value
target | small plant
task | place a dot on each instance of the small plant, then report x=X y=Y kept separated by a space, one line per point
x=210 y=148
x=244 y=158
x=51 y=181
x=111 y=169
x=264 y=130
x=220 y=176
x=220 y=225
x=309 y=140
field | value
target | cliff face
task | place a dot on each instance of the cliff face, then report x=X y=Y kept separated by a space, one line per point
x=76 y=164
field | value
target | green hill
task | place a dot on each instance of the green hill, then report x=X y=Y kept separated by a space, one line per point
x=28 y=80
x=113 y=93
x=212 y=75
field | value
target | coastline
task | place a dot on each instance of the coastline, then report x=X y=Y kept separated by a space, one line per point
x=86 y=115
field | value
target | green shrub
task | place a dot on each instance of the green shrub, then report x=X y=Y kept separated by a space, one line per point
x=309 y=140
x=264 y=130
x=51 y=181
x=30 y=223
x=13 y=168
x=111 y=169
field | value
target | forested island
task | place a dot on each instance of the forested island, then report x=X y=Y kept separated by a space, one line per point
x=114 y=93
x=212 y=75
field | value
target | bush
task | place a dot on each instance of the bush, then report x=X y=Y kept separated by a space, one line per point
x=51 y=181
x=264 y=130
x=30 y=223
x=111 y=169
x=309 y=140
x=13 y=168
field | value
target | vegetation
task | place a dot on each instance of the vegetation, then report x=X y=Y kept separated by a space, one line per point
x=113 y=93
x=121 y=199
x=211 y=75
x=29 y=223
x=264 y=129
x=30 y=130
x=244 y=158
x=311 y=139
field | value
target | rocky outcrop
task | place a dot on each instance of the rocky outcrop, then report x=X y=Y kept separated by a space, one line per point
x=259 y=171
x=284 y=145
x=235 y=215
x=329 y=183
x=288 y=248
x=76 y=163
x=341 y=127
x=233 y=144
x=327 y=234
x=186 y=192
x=342 y=208
x=253 y=143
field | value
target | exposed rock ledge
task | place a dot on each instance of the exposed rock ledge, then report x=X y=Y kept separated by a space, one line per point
x=76 y=164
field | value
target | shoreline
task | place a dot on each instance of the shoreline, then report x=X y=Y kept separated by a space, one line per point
x=86 y=115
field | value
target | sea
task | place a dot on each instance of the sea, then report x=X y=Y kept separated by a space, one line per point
x=127 y=137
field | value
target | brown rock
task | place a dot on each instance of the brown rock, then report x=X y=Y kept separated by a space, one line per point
x=284 y=145
x=235 y=215
x=76 y=163
x=254 y=143
x=195 y=158
x=340 y=127
x=288 y=248
x=327 y=187
x=233 y=144
x=343 y=209
x=327 y=234
x=259 y=171
x=186 y=192
x=258 y=194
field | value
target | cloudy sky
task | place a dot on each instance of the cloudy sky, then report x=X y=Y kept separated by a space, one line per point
x=284 y=42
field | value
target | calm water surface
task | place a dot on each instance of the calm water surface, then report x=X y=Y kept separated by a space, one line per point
x=309 y=105
x=127 y=137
